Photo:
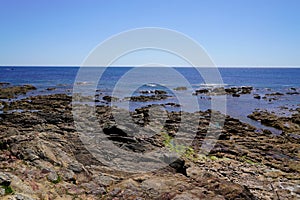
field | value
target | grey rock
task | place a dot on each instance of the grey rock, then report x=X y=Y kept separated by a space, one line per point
x=4 y=179
x=30 y=155
x=52 y=176
x=75 y=167
x=21 y=197
x=68 y=175
x=2 y=191
x=92 y=188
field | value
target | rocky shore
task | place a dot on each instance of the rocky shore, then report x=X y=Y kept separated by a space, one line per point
x=42 y=156
x=234 y=91
x=290 y=125
x=7 y=91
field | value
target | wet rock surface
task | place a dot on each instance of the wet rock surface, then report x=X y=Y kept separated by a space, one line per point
x=234 y=91
x=109 y=98
x=144 y=98
x=4 y=84
x=180 y=88
x=43 y=157
x=13 y=91
x=290 y=125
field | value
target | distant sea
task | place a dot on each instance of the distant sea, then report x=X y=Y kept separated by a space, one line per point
x=264 y=80
x=43 y=77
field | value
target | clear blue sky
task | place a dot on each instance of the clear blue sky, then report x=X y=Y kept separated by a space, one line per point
x=234 y=32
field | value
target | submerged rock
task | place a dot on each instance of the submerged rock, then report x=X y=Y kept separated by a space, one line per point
x=180 y=88
x=110 y=98
x=292 y=93
x=275 y=94
x=51 y=89
x=201 y=91
x=256 y=96
x=236 y=95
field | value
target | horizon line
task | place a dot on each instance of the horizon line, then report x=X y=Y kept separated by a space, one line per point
x=217 y=66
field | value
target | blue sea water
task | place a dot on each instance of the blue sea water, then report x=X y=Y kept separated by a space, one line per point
x=264 y=80
x=43 y=77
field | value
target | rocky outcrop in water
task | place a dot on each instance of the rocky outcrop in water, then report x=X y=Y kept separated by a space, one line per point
x=234 y=91
x=180 y=88
x=144 y=98
x=13 y=91
x=286 y=124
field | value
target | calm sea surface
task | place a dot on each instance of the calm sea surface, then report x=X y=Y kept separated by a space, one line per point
x=44 y=77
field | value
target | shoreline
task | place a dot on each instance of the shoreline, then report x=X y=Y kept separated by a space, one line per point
x=277 y=102
x=44 y=150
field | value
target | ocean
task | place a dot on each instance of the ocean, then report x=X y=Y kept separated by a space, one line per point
x=43 y=77
x=263 y=80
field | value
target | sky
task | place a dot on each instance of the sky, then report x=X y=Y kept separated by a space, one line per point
x=233 y=32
